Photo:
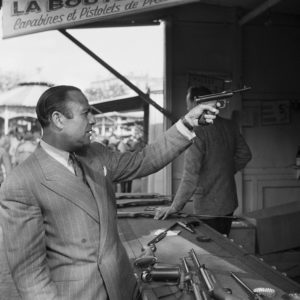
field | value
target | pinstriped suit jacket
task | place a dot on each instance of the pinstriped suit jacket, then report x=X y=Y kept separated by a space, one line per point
x=60 y=235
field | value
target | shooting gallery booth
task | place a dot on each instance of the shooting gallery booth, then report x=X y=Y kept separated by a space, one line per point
x=223 y=45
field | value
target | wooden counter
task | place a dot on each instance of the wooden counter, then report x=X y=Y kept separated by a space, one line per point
x=221 y=255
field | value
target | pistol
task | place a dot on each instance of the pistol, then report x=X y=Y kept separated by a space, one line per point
x=219 y=100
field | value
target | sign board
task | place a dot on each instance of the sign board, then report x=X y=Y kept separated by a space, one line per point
x=28 y=16
x=275 y=112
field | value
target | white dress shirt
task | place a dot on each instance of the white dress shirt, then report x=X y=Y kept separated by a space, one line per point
x=59 y=155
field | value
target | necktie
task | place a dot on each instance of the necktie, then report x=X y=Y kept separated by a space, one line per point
x=75 y=163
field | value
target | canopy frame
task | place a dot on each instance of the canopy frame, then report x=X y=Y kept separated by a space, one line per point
x=142 y=95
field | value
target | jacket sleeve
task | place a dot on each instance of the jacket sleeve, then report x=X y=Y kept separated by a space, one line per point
x=152 y=158
x=24 y=243
x=193 y=159
x=242 y=153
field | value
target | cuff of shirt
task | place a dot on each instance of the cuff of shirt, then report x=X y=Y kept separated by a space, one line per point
x=184 y=131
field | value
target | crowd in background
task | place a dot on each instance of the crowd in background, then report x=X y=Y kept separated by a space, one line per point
x=15 y=147
x=19 y=143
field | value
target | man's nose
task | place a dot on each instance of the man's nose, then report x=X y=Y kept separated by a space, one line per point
x=92 y=119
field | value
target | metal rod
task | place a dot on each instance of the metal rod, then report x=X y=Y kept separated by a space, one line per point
x=202 y=270
x=257 y=11
x=206 y=216
x=142 y=95
x=243 y=284
x=195 y=286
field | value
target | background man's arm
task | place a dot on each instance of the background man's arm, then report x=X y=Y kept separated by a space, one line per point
x=189 y=181
x=242 y=152
x=24 y=242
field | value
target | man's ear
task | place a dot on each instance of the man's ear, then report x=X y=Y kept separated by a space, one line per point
x=58 y=119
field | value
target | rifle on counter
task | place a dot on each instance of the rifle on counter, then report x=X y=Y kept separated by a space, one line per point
x=142 y=202
x=212 y=288
x=151 y=214
x=189 y=278
x=135 y=214
x=129 y=196
x=147 y=258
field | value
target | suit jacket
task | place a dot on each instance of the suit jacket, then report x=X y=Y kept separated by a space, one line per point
x=218 y=152
x=61 y=235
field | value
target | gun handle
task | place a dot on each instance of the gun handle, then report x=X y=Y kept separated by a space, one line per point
x=201 y=120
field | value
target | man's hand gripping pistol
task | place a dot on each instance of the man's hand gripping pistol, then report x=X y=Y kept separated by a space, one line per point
x=218 y=100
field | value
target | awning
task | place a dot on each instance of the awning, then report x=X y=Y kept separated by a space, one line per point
x=24 y=17
x=24 y=95
x=20 y=101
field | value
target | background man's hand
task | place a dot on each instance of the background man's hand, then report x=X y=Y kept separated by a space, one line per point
x=208 y=111
x=164 y=212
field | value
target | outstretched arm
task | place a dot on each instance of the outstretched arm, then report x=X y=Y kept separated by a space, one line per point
x=153 y=157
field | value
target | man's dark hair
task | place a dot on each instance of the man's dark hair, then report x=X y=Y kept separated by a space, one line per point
x=194 y=91
x=53 y=99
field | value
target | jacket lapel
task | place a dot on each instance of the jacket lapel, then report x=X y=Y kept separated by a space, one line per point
x=62 y=182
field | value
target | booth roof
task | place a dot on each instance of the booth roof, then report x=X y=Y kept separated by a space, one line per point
x=24 y=94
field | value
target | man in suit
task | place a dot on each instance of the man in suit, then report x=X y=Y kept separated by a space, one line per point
x=58 y=209
x=218 y=152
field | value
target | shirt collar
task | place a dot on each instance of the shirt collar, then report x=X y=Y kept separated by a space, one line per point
x=59 y=155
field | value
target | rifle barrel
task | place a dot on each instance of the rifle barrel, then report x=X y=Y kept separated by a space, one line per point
x=202 y=271
x=255 y=296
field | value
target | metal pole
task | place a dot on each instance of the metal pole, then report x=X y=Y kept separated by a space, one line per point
x=257 y=11
x=142 y=95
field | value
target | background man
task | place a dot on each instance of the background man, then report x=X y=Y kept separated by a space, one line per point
x=58 y=209
x=218 y=152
